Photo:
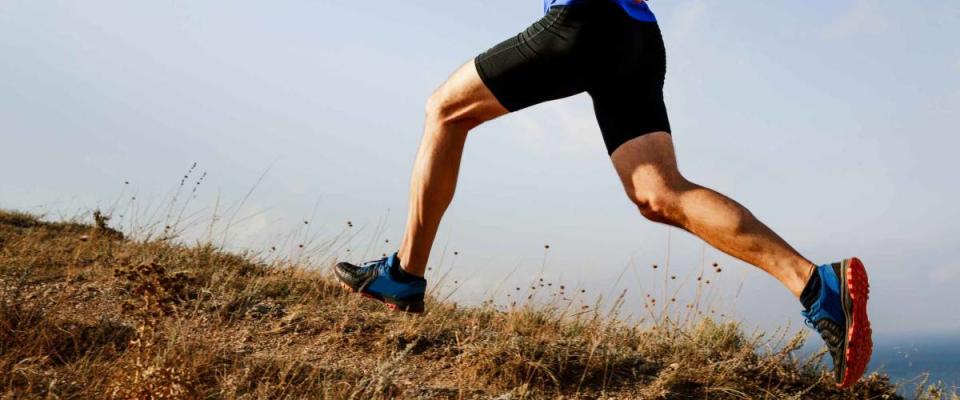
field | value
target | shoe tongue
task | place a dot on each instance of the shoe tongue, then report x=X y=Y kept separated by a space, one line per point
x=393 y=261
x=811 y=291
x=389 y=265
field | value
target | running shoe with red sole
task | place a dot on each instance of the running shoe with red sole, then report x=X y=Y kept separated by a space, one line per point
x=840 y=316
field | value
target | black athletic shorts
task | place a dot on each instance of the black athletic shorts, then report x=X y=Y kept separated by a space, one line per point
x=592 y=47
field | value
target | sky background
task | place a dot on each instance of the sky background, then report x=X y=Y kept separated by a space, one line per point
x=835 y=123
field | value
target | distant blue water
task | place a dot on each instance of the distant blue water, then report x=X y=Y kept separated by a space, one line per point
x=907 y=358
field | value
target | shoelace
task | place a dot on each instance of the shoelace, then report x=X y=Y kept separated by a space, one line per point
x=373 y=264
x=808 y=319
x=829 y=332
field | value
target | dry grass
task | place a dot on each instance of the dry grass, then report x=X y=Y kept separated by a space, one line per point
x=88 y=314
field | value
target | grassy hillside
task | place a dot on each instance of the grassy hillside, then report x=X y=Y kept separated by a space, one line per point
x=88 y=314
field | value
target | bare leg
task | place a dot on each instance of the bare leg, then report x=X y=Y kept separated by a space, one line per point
x=459 y=105
x=648 y=169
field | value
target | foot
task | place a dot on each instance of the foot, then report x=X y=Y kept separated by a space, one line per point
x=383 y=280
x=840 y=315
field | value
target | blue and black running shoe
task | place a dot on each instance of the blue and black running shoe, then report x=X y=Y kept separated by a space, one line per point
x=384 y=281
x=839 y=314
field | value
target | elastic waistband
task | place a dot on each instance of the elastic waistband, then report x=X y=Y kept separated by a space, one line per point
x=637 y=11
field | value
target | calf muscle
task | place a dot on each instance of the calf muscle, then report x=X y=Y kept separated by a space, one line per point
x=648 y=169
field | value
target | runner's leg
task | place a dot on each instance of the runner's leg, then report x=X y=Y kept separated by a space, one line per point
x=648 y=169
x=547 y=61
x=459 y=105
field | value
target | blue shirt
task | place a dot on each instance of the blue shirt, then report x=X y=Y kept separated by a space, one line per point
x=639 y=11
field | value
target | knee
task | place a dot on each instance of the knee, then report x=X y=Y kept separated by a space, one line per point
x=659 y=203
x=445 y=111
x=655 y=205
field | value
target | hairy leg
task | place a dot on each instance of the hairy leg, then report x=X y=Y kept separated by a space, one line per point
x=459 y=105
x=648 y=169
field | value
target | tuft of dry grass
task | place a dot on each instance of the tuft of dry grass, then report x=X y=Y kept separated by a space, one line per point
x=86 y=313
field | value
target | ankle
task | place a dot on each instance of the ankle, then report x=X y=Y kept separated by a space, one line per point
x=406 y=268
x=797 y=276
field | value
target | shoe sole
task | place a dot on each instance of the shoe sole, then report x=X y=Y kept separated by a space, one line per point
x=859 y=344
x=411 y=308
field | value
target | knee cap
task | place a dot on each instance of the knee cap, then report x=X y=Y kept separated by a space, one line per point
x=653 y=206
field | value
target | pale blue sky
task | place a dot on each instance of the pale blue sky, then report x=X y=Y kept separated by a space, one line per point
x=835 y=122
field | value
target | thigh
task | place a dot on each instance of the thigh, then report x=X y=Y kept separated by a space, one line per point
x=547 y=61
x=647 y=162
x=464 y=97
